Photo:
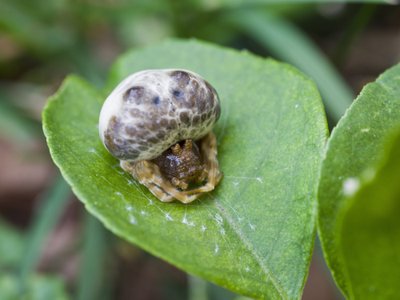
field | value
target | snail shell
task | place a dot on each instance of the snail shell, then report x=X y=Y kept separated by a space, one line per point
x=151 y=110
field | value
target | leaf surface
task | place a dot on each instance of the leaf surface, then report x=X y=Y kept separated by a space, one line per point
x=370 y=231
x=254 y=234
x=354 y=149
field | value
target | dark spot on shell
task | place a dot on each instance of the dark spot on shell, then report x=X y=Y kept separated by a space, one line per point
x=142 y=148
x=134 y=93
x=134 y=112
x=191 y=102
x=178 y=94
x=113 y=124
x=201 y=94
x=193 y=133
x=161 y=135
x=131 y=131
x=156 y=100
x=141 y=143
x=184 y=116
x=163 y=122
x=112 y=128
x=152 y=126
x=129 y=142
x=203 y=117
x=172 y=125
x=201 y=105
x=152 y=115
x=193 y=93
x=208 y=105
x=134 y=153
x=194 y=85
x=153 y=140
x=181 y=77
x=196 y=120
x=142 y=134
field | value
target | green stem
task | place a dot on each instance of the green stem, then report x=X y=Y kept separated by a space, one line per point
x=45 y=220
x=91 y=284
x=357 y=25
x=197 y=288
x=14 y=125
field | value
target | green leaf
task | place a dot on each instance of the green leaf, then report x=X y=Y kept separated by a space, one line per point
x=355 y=146
x=255 y=233
x=370 y=231
x=38 y=288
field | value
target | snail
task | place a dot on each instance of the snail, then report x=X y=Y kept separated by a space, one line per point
x=158 y=123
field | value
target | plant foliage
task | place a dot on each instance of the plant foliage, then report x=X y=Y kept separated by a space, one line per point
x=254 y=234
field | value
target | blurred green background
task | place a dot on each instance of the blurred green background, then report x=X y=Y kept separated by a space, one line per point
x=49 y=247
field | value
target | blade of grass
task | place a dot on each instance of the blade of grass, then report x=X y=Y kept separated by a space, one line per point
x=200 y=289
x=45 y=219
x=288 y=43
x=14 y=125
x=31 y=32
x=92 y=284
x=11 y=246
x=197 y=288
x=361 y=19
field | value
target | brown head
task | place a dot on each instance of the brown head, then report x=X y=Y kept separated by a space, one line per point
x=182 y=164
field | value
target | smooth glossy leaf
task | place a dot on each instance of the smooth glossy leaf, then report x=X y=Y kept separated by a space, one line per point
x=370 y=231
x=354 y=147
x=255 y=233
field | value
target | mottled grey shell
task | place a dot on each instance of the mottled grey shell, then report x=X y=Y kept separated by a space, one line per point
x=151 y=110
